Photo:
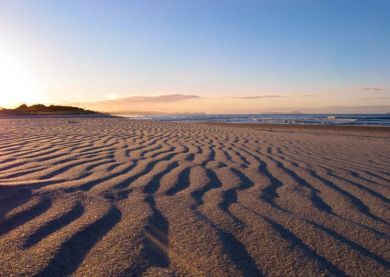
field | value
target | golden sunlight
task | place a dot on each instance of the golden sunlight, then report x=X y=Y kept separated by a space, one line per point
x=17 y=82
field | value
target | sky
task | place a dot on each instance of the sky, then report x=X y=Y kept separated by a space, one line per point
x=217 y=56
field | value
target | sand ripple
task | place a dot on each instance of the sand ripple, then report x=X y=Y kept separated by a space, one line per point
x=113 y=197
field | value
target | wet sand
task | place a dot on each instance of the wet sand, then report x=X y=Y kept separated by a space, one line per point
x=117 y=197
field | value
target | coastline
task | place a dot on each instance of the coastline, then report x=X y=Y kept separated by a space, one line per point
x=260 y=126
x=316 y=127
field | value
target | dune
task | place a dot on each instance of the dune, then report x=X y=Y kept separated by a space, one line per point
x=118 y=197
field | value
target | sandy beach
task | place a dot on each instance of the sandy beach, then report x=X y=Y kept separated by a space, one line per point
x=120 y=197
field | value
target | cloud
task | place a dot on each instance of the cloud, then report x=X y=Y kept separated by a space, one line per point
x=166 y=102
x=167 y=98
x=273 y=96
x=258 y=97
x=161 y=98
x=375 y=98
x=373 y=89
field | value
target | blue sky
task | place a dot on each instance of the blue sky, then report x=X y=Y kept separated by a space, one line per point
x=97 y=50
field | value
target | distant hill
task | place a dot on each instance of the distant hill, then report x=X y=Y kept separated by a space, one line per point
x=296 y=112
x=40 y=109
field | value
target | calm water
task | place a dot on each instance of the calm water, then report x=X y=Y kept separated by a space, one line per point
x=333 y=119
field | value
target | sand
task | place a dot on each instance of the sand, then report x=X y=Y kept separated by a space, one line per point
x=117 y=197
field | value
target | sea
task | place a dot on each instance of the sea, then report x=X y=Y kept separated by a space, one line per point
x=322 y=119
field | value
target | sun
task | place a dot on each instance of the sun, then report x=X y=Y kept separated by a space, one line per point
x=17 y=82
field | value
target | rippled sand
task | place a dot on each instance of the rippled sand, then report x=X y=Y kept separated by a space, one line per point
x=109 y=197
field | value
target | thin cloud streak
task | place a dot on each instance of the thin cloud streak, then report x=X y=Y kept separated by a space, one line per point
x=166 y=98
x=375 y=98
x=258 y=97
x=160 y=98
x=373 y=89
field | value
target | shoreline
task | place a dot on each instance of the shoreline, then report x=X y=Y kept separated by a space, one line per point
x=314 y=127
x=262 y=126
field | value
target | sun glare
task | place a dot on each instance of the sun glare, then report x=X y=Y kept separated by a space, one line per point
x=17 y=82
